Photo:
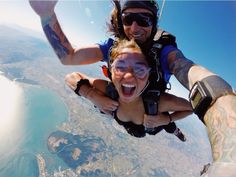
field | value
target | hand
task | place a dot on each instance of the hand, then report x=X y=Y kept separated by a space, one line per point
x=105 y=104
x=43 y=8
x=155 y=121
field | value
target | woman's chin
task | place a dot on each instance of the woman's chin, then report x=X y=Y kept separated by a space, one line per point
x=127 y=98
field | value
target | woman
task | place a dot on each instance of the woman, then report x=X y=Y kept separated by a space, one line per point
x=129 y=74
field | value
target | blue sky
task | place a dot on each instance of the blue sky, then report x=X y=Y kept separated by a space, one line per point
x=205 y=30
x=205 y=33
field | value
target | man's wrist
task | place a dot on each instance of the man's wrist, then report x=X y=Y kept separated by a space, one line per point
x=204 y=93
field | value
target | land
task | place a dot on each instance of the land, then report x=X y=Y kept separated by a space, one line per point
x=30 y=61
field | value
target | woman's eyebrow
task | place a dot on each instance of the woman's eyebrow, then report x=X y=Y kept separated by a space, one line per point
x=120 y=61
x=141 y=63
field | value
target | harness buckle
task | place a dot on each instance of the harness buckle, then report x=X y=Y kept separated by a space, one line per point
x=154 y=92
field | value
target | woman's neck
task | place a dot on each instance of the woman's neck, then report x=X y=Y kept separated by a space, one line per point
x=131 y=103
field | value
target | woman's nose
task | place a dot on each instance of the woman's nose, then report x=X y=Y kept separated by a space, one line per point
x=129 y=74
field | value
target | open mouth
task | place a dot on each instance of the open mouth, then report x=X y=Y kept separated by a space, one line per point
x=136 y=36
x=128 y=89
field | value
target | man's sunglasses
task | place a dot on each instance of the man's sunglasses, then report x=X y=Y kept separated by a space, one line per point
x=142 y=19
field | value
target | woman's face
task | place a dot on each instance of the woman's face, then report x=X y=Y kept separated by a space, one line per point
x=130 y=73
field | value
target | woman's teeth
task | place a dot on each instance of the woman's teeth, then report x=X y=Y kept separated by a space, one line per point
x=128 y=89
x=128 y=85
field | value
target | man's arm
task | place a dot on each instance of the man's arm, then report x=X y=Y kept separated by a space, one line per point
x=180 y=66
x=220 y=118
x=57 y=39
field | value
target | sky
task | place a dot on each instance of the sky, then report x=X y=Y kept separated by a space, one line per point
x=205 y=30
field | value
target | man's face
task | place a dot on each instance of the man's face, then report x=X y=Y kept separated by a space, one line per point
x=138 y=30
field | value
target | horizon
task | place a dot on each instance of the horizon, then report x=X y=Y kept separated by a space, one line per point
x=212 y=46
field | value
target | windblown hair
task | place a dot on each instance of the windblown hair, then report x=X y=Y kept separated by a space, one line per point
x=123 y=44
x=113 y=24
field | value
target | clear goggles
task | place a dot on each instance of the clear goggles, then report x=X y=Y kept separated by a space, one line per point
x=120 y=67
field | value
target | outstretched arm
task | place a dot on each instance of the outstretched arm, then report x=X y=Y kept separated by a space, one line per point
x=57 y=39
x=220 y=118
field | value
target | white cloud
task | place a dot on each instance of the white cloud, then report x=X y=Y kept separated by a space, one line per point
x=10 y=114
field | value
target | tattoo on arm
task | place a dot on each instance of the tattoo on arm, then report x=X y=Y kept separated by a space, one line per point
x=221 y=124
x=180 y=67
x=58 y=40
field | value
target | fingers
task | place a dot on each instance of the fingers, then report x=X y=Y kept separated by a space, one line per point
x=104 y=103
x=150 y=121
x=109 y=107
x=112 y=106
x=106 y=112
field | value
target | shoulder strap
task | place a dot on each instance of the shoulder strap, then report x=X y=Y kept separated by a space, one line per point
x=111 y=91
x=161 y=39
x=151 y=101
x=164 y=38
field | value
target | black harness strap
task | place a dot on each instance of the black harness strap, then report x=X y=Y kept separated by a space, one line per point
x=156 y=78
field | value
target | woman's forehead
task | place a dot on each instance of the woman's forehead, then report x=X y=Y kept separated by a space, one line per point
x=132 y=56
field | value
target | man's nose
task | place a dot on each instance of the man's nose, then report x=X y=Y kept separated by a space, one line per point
x=134 y=26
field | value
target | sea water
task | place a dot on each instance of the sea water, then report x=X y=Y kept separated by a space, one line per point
x=27 y=116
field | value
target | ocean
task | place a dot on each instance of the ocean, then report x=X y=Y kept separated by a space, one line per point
x=37 y=139
x=27 y=117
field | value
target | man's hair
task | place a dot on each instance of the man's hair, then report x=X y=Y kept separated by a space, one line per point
x=113 y=24
x=123 y=44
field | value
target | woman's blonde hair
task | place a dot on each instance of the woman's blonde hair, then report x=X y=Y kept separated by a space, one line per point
x=122 y=44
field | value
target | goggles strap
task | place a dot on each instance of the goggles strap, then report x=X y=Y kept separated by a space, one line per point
x=147 y=84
